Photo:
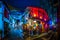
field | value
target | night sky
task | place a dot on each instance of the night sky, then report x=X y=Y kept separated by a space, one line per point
x=22 y=4
x=47 y=5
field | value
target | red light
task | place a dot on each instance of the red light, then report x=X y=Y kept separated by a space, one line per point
x=39 y=13
x=40 y=17
x=35 y=12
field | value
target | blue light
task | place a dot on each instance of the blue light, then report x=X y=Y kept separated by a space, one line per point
x=53 y=23
x=50 y=22
x=1 y=18
x=1 y=22
x=1 y=15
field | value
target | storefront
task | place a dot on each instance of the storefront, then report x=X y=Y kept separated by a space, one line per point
x=37 y=20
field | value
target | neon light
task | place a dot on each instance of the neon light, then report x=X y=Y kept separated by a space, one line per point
x=39 y=13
